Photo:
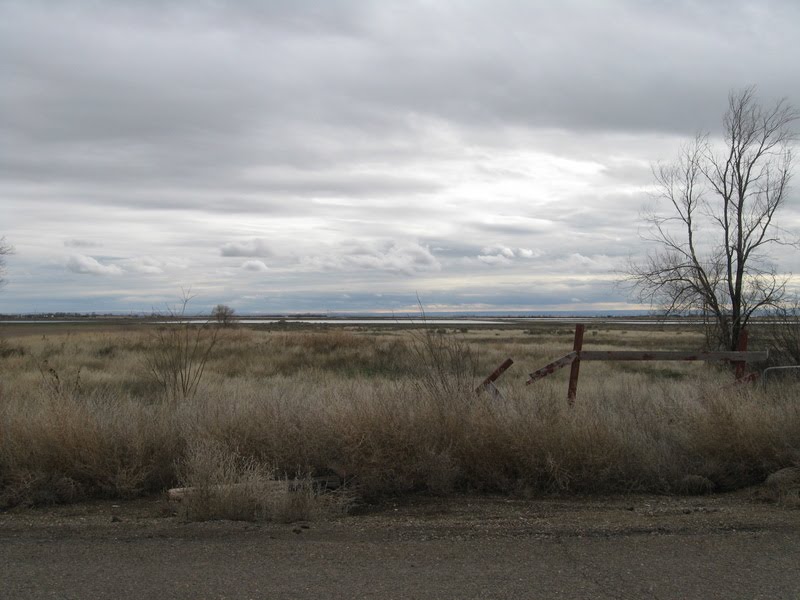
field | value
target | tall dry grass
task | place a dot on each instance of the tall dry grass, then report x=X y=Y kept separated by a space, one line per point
x=274 y=405
x=221 y=483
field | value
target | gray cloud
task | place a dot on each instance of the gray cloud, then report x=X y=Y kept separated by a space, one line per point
x=377 y=146
x=255 y=266
x=220 y=74
x=81 y=244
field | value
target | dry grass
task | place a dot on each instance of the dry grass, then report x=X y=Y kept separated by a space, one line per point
x=221 y=483
x=272 y=405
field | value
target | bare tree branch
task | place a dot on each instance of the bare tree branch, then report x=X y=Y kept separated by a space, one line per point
x=5 y=250
x=712 y=242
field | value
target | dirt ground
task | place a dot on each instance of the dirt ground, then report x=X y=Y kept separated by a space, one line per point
x=725 y=546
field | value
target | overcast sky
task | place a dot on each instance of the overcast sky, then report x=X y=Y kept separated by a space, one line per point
x=346 y=155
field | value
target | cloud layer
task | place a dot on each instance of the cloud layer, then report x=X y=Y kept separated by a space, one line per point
x=309 y=155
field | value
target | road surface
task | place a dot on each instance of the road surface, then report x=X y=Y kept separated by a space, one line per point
x=727 y=546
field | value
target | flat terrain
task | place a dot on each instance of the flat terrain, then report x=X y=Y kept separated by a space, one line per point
x=86 y=412
x=724 y=546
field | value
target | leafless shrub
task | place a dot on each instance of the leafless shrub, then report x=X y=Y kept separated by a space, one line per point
x=445 y=363
x=178 y=353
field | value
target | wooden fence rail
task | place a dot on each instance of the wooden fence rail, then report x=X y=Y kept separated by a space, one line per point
x=739 y=357
x=488 y=383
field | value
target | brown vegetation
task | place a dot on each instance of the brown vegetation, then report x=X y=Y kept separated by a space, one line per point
x=79 y=417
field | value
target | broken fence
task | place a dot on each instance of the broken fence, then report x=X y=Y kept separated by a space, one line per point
x=739 y=357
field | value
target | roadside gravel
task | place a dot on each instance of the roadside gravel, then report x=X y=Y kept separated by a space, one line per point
x=724 y=546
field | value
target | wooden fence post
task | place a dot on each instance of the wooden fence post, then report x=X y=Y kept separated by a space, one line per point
x=488 y=383
x=577 y=346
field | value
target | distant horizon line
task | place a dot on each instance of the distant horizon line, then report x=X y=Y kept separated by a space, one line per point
x=346 y=314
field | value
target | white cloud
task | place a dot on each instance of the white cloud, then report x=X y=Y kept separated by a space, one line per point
x=496 y=255
x=528 y=253
x=402 y=257
x=494 y=259
x=407 y=258
x=498 y=251
x=579 y=264
x=86 y=265
x=143 y=264
x=254 y=247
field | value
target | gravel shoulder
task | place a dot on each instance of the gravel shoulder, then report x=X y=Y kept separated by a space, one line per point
x=722 y=546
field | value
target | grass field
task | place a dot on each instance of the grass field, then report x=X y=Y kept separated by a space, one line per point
x=392 y=410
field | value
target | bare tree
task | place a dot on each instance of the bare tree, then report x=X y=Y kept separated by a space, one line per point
x=224 y=315
x=713 y=241
x=5 y=250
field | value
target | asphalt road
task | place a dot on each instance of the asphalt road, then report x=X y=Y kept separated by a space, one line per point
x=630 y=547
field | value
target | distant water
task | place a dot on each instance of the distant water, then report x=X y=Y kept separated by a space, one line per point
x=395 y=321
x=369 y=321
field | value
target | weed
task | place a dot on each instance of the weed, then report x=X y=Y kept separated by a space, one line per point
x=178 y=353
x=56 y=385
x=445 y=363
